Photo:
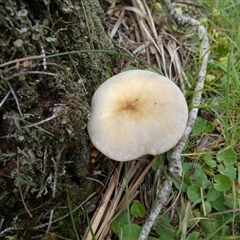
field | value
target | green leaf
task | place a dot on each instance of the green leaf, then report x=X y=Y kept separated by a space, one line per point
x=165 y=219
x=194 y=193
x=193 y=236
x=229 y=171
x=128 y=68
x=194 y=170
x=212 y=195
x=209 y=127
x=187 y=180
x=179 y=185
x=158 y=164
x=202 y=126
x=137 y=209
x=210 y=78
x=215 y=226
x=129 y=232
x=228 y=156
x=222 y=182
x=207 y=206
x=120 y=221
x=230 y=201
x=219 y=203
x=166 y=231
x=207 y=158
x=203 y=181
x=154 y=70
x=164 y=228
x=211 y=225
x=199 y=126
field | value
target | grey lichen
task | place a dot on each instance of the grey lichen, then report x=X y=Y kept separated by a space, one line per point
x=44 y=145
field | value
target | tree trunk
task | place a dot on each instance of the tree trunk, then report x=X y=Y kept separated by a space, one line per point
x=44 y=108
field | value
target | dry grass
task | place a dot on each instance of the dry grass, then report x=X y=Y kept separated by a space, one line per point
x=114 y=199
x=140 y=30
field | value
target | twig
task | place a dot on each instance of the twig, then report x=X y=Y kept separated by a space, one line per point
x=9 y=230
x=57 y=110
x=44 y=57
x=21 y=194
x=39 y=128
x=185 y=221
x=223 y=212
x=16 y=100
x=5 y=98
x=55 y=176
x=1 y=222
x=175 y=165
x=50 y=222
x=21 y=60
x=41 y=122
x=31 y=72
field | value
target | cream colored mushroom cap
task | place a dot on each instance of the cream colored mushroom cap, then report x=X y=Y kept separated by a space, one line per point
x=135 y=113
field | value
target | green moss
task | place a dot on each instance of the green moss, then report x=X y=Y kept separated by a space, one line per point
x=44 y=142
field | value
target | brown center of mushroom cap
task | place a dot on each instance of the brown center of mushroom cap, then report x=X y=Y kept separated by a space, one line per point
x=130 y=108
x=134 y=109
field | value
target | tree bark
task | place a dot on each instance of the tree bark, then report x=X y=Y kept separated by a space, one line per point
x=44 y=108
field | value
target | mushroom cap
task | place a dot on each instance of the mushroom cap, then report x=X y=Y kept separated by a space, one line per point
x=135 y=113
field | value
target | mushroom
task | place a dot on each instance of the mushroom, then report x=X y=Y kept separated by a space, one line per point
x=136 y=113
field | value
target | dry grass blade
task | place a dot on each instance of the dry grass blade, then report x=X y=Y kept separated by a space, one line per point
x=114 y=200
x=176 y=64
x=97 y=218
x=16 y=100
x=17 y=61
x=137 y=179
x=5 y=98
x=117 y=24
x=144 y=33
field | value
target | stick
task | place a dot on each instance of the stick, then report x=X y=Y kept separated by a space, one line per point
x=175 y=164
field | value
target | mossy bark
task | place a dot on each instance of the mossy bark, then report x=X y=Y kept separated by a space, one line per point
x=44 y=145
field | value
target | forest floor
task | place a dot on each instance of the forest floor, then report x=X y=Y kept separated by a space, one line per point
x=117 y=198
